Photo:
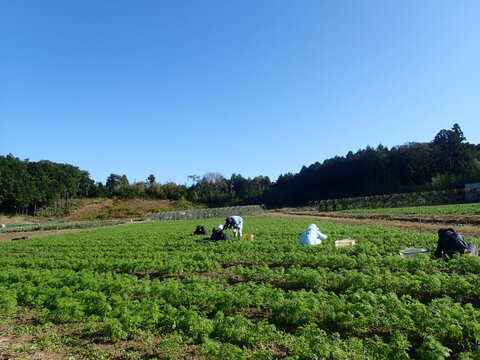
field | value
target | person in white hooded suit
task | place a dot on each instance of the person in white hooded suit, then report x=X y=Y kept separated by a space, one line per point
x=312 y=236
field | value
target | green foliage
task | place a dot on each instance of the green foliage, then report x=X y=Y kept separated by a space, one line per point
x=240 y=299
x=113 y=330
x=61 y=225
x=432 y=349
x=8 y=300
x=222 y=351
x=457 y=209
x=26 y=186
x=395 y=203
x=360 y=179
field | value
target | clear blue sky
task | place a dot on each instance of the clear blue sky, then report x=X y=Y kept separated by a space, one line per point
x=252 y=87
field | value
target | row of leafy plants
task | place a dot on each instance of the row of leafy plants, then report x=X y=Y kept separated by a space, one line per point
x=241 y=299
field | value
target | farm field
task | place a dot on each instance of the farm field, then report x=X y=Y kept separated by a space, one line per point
x=421 y=218
x=153 y=291
x=457 y=209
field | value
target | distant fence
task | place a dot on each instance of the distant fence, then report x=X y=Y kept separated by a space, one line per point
x=452 y=196
x=208 y=213
x=472 y=192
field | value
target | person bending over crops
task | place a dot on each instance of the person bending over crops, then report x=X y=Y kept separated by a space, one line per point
x=219 y=234
x=200 y=230
x=451 y=242
x=235 y=223
x=312 y=236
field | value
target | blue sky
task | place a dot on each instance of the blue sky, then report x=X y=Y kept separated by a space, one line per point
x=175 y=88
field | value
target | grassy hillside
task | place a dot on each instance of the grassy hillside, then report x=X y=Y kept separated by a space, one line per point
x=100 y=209
x=103 y=209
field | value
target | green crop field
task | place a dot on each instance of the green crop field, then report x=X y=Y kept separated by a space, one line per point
x=459 y=209
x=153 y=291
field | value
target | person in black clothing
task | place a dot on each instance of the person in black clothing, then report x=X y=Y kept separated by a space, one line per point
x=219 y=234
x=200 y=230
x=450 y=242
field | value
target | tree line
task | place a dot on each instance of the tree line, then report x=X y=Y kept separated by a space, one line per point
x=448 y=161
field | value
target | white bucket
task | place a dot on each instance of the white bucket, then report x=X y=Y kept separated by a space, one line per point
x=345 y=242
x=412 y=252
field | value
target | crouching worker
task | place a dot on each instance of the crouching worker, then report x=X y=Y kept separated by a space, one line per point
x=450 y=242
x=219 y=234
x=235 y=223
x=200 y=230
x=312 y=236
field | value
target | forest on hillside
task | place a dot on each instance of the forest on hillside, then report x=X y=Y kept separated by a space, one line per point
x=446 y=162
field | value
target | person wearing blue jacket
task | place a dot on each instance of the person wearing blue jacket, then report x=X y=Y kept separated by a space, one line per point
x=235 y=223
x=312 y=236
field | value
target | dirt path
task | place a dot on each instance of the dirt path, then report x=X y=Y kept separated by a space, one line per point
x=420 y=226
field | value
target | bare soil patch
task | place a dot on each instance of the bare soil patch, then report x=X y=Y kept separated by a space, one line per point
x=22 y=346
x=112 y=208
x=85 y=210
